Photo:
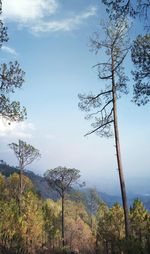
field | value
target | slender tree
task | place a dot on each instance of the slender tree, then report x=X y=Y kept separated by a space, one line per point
x=11 y=78
x=61 y=179
x=103 y=106
x=25 y=154
x=93 y=202
x=139 y=221
x=110 y=230
x=140 y=50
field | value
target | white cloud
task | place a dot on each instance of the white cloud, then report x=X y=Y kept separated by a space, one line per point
x=24 y=11
x=36 y=15
x=16 y=129
x=65 y=24
x=9 y=50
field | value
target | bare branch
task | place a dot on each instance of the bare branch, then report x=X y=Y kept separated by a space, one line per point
x=104 y=77
x=121 y=61
x=99 y=128
x=110 y=101
x=99 y=64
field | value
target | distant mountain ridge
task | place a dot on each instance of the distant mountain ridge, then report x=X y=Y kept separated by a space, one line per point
x=44 y=191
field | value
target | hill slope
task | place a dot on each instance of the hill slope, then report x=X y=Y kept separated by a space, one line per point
x=44 y=191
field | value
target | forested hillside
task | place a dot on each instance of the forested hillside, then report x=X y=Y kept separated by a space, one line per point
x=40 y=185
x=42 y=188
x=33 y=224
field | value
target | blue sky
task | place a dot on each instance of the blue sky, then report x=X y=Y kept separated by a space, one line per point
x=50 y=40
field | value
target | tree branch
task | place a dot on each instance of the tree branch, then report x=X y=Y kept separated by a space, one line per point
x=106 y=105
x=105 y=77
x=98 y=95
x=105 y=124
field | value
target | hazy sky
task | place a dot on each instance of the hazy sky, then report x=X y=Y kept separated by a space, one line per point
x=50 y=39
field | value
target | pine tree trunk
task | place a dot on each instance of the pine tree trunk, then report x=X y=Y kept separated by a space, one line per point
x=21 y=170
x=62 y=220
x=96 y=245
x=20 y=188
x=118 y=153
x=20 y=180
x=107 y=248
